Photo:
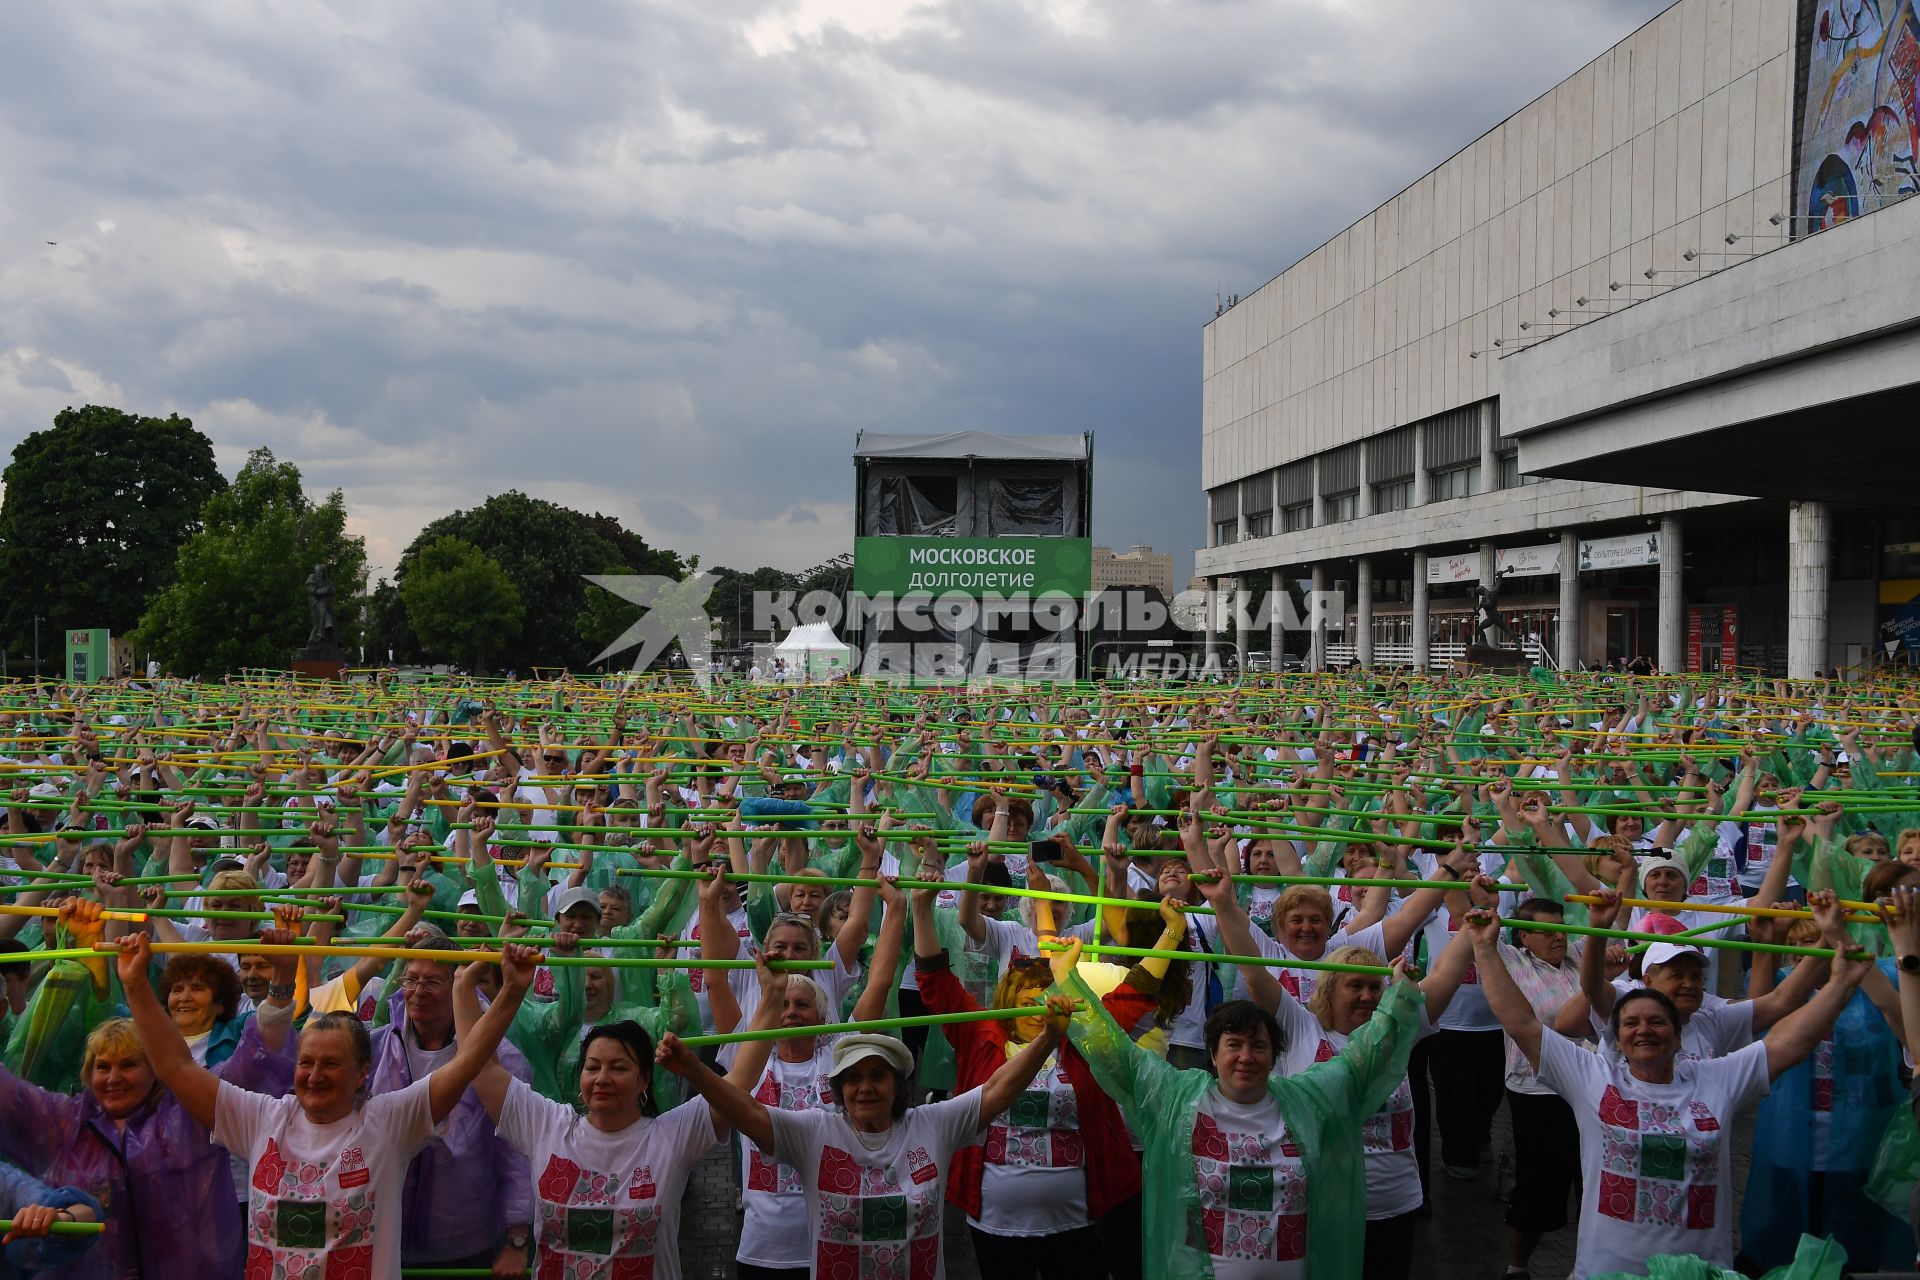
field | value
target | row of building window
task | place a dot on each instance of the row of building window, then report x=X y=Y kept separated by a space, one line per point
x=1397 y=495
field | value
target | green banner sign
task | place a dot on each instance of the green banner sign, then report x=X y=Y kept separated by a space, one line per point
x=972 y=566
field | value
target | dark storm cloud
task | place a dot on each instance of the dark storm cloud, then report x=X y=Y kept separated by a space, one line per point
x=666 y=260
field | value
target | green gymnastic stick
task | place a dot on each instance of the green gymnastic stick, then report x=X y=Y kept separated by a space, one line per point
x=878 y=1024
x=857 y=882
x=1731 y=944
x=1215 y=957
x=62 y=1228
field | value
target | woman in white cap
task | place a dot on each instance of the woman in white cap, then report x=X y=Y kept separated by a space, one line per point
x=1654 y=1123
x=874 y=1172
x=1710 y=1027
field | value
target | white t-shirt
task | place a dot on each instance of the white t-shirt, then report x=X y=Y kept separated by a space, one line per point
x=1655 y=1159
x=1386 y=1136
x=1300 y=983
x=1034 y=1181
x=601 y=1197
x=697 y=978
x=833 y=983
x=324 y=1198
x=774 y=1231
x=1009 y=940
x=873 y=1208
x=1252 y=1190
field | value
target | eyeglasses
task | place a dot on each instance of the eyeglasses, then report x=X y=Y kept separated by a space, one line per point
x=428 y=985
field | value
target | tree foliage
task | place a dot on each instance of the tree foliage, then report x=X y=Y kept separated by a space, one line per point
x=460 y=601
x=239 y=596
x=546 y=551
x=95 y=509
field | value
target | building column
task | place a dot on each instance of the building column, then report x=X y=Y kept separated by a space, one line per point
x=1422 y=627
x=1673 y=596
x=1210 y=624
x=1422 y=486
x=1363 y=620
x=1809 y=545
x=1317 y=621
x=1276 y=615
x=1569 y=655
x=1240 y=636
x=1489 y=450
x=1489 y=567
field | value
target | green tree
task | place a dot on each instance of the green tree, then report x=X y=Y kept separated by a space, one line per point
x=94 y=511
x=239 y=596
x=546 y=551
x=460 y=601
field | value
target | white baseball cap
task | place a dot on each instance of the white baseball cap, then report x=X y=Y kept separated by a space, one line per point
x=850 y=1049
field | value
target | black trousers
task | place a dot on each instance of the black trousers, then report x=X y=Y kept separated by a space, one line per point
x=1546 y=1161
x=1389 y=1248
x=1069 y=1255
x=1119 y=1233
x=1468 y=1071
x=747 y=1271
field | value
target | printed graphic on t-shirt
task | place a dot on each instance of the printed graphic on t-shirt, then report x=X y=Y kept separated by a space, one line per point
x=872 y=1227
x=1253 y=1195
x=764 y=1173
x=295 y=1228
x=1659 y=1164
x=595 y=1224
x=1041 y=1130
x=1823 y=1075
x=1715 y=879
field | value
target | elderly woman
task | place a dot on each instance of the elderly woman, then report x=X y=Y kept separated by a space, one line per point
x=128 y=1141
x=1655 y=1157
x=773 y=1235
x=327 y=1163
x=873 y=1171
x=609 y=1173
x=1341 y=1004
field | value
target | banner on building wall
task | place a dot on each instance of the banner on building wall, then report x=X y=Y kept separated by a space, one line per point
x=1464 y=568
x=1856 y=131
x=1729 y=636
x=1527 y=562
x=1628 y=551
x=1694 y=627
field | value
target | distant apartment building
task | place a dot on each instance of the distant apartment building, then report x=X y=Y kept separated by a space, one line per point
x=1135 y=567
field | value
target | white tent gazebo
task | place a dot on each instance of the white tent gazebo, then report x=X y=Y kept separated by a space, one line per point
x=813 y=652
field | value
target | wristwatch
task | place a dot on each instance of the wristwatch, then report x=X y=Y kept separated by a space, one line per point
x=1910 y=964
x=519 y=1237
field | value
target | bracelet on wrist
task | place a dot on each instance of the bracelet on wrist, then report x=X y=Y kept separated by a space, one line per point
x=279 y=991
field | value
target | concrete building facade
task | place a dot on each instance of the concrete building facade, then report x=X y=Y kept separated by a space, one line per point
x=1466 y=384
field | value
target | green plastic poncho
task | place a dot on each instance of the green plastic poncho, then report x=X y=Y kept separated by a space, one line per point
x=1323 y=1107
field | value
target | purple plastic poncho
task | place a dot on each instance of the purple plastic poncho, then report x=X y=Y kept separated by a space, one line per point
x=467 y=1185
x=166 y=1188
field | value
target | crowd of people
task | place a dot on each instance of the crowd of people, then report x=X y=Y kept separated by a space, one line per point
x=1176 y=982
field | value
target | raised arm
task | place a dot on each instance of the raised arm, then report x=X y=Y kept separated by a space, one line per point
x=1504 y=996
x=449 y=1081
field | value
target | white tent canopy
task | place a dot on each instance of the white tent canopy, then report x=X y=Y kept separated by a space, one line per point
x=813 y=637
x=812 y=651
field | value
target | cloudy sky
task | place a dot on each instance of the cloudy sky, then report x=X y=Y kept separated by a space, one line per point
x=663 y=259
